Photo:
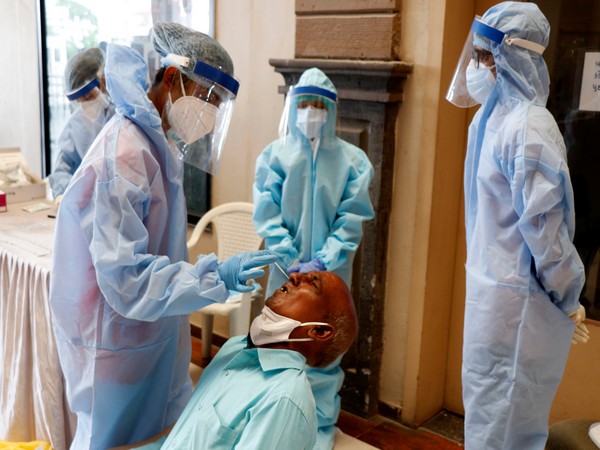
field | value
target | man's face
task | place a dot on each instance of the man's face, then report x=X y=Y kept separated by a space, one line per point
x=306 y=296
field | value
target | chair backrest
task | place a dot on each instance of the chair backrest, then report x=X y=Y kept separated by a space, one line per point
x=232 y=223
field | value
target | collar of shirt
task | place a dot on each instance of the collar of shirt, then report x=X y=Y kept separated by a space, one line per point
x=269 y=358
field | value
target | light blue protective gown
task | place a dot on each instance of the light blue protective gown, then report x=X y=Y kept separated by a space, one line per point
x=248 y=398
x=73 y=143
x=309 y=207
x=524 y=275
x=120 y=284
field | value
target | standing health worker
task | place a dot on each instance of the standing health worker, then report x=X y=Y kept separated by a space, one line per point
x=86 y=89
x=311 y=197
x=121 y=288
x=524 y=275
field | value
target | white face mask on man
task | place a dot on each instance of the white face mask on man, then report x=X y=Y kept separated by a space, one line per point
x=270 y=328
x=480 y=81
x=310 y=120
x=190 y=117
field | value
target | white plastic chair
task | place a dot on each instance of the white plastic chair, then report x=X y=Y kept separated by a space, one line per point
x=232 y=223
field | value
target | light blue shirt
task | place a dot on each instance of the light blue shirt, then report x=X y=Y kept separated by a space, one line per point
x=249 y=398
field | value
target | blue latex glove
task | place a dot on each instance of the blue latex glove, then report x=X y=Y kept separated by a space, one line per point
x=314 y=265
x=236 y=270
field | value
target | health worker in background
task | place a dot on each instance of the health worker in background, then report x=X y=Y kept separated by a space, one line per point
x=121 y=288
x=86 y=88
x=311 y=197
x=524 y=275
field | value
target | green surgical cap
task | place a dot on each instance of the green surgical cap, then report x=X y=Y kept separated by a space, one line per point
x=174 y=38
x=83 y=67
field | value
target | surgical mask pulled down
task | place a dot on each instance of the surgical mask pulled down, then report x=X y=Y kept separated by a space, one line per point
x=310 y=120
x=190 y=117
x=95 y=107
x=480 y=81
x=270 y=328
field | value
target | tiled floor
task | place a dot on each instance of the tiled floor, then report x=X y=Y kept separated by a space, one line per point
x=443 y=432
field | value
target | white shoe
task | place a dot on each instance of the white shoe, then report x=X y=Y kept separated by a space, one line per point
x=594 y=433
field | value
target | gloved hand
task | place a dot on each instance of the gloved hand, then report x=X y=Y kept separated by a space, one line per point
x=58 y=199
x=236 y=270
x=313 y=265
x=581 y=333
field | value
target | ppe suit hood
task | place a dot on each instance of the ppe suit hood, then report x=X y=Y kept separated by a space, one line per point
x=521 y=73
x=127 y=83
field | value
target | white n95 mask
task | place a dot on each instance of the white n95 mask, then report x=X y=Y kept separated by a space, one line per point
x=190 y=117
x=310 y=120
x=270 y=327
x=480 y=81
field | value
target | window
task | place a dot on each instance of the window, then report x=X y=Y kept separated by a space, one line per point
x=69 y=26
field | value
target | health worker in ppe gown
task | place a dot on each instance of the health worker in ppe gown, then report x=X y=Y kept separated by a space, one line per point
x=120 y=287
x=524 y=275
x=311 y=197
x=86 y=88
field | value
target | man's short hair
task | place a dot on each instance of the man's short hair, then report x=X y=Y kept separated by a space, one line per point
x=343 y=328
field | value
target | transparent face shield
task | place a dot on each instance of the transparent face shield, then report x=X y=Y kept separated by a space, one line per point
x=475 y=73
x=198 y=123
x=306 y=111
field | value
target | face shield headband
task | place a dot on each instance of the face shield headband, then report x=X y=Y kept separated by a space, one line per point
x=83 y=90
x=306 y=108
x=199 y=122
x=473 y=78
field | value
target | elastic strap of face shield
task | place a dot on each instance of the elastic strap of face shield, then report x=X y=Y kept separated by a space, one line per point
x=80 y=92
x=175 y=60
x=524 y=43
x=498 y=37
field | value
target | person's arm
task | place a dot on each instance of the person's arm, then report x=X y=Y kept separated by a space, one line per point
x=543 y=199
x=66 y=162
x=354 y=208
x=268 y=219
x=137 y=284
x=280 y=425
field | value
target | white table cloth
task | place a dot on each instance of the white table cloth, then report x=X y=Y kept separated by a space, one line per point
x=32 y=399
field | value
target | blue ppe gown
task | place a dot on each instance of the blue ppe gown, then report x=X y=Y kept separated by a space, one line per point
x=313 y=206
x=524 y=275
x=120 y=285
x=73 y=143
x=247 y=398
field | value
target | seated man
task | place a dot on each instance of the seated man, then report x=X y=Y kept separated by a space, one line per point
x=255 y=394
